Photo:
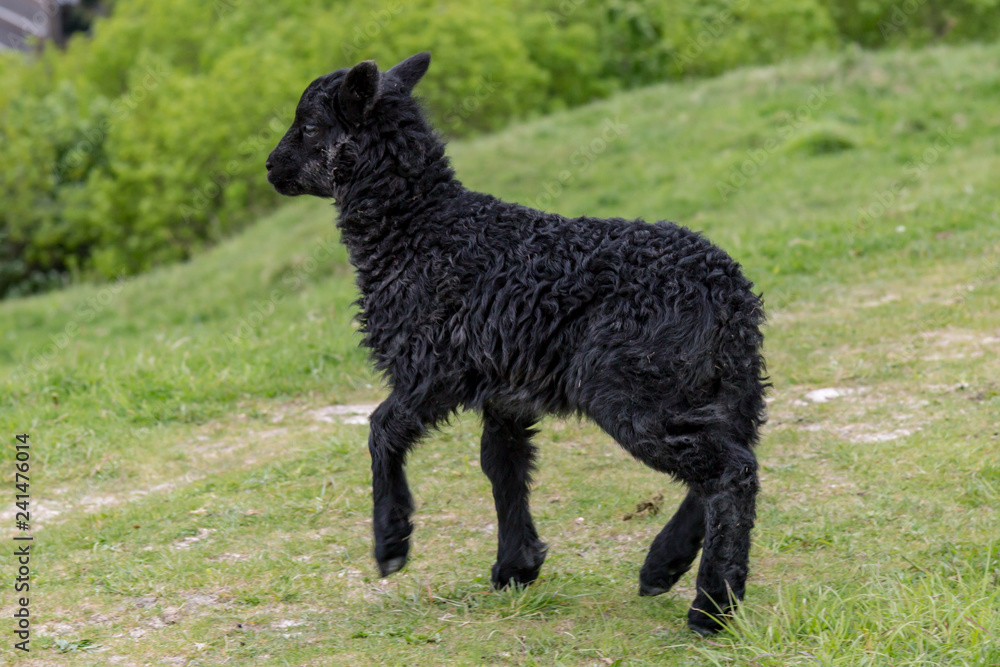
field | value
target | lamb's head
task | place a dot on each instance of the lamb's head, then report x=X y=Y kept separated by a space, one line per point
x=349 y=124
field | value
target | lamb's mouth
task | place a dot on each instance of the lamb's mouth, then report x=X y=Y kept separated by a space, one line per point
x=287 y=188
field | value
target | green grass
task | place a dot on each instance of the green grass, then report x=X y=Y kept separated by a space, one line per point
x=194 y=505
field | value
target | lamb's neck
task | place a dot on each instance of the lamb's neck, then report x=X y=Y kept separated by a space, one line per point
x=382 y=215
x=387 y=190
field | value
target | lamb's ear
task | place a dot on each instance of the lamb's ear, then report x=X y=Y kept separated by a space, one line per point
x=359 y=89
x=410 y=71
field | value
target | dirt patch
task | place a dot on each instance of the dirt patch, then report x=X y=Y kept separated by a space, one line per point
x=951 y=344
x=205 y=452
x=195 y=600
x=880 y=301
x=828 y=394
x=647 y=507
x=868 y=436
x=357 y=413
x=860 y=433
x=232 y=558
x=190 y=541
x=863 y=415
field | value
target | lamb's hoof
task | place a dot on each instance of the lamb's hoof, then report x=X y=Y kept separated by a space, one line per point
x=702 y=623
x=650 y=585
x=646 y=590
x=504 y=576
x=390 y=554
x=387 y=567
x=521 y=573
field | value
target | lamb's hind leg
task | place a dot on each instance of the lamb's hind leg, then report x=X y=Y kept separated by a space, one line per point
x=730 y=501
x=675 y=548
x=506 y=458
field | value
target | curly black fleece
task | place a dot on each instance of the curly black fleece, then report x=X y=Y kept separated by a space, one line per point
x=469 y=301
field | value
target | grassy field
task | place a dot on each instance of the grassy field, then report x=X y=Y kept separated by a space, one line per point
x=200 y=492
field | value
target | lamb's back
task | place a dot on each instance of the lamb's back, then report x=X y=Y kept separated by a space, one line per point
x=541 y=294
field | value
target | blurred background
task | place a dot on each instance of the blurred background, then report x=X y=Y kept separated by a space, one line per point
x=132 y=132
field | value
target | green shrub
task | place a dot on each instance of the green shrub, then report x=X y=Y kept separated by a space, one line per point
x=145 y=142
x=876 y=23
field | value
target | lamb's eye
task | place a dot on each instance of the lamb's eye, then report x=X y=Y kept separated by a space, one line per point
x=310 y=130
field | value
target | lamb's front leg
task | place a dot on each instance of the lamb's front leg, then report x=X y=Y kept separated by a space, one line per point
x=506 y=458
x=394 y=430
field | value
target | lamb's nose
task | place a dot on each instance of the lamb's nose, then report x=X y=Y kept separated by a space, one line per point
x=268 y=164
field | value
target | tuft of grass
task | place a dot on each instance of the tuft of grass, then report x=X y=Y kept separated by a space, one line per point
x=478 y=599
x=940 y=616
x=823 y=139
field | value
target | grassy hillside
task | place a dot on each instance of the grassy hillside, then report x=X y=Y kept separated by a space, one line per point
x=197 y=496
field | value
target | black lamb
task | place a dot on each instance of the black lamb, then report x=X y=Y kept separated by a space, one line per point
x=471 y=302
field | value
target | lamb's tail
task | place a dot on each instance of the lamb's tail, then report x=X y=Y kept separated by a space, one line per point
x=741 y=366
x=721 y=369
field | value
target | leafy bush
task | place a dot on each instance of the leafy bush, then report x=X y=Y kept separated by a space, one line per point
x=145 y=142
x=876 y=23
